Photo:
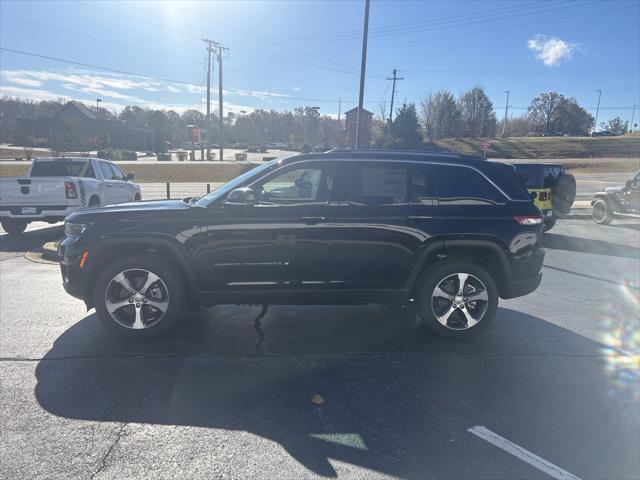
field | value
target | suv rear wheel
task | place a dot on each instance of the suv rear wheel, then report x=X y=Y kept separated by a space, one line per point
x=138 y=296
x=457 y=300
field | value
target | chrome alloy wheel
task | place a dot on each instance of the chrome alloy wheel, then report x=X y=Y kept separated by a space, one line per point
x=459 y=301
x=136 y=298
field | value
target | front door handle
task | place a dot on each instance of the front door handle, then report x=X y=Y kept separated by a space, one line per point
x=109 y=184
x=419 y=217
x=312 y=220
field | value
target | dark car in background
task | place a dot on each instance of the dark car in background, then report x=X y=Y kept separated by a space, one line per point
x=621 y=201
x=552 y=189
x=446 y=233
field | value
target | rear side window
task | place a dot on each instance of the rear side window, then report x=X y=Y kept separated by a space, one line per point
x=464 y=186
x=378 y=184
x=58 y=168
x=421 y=185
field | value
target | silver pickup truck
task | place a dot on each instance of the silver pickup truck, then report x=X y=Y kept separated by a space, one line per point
x=58 y=186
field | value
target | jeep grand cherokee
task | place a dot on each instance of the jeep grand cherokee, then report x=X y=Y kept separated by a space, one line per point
x=448 y=233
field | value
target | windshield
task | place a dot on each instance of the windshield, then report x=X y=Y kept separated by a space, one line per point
x=235 y=183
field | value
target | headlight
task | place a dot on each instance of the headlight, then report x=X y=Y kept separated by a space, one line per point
x=75 y=229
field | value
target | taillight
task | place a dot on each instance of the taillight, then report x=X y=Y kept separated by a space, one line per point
x=528 y=219
x=543 y=196
x=70 y=190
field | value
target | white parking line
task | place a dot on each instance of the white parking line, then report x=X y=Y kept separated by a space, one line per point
x=521 y=453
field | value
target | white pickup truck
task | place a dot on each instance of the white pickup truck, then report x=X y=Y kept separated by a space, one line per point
x=56 y=187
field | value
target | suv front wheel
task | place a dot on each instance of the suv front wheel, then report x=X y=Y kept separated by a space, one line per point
x=457 y=300
x=138 y=296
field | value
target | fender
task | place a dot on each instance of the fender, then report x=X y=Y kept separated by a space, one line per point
x=441 y=245
x=179 y=256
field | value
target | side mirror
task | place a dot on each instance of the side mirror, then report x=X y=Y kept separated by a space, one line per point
x=628 y=184
x=129 y=176
x=241 y=197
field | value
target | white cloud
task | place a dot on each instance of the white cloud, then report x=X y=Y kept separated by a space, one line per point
x=38 y=94
x=296 y=89
x=551 y=50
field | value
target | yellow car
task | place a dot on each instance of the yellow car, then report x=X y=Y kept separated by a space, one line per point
x=553 y=191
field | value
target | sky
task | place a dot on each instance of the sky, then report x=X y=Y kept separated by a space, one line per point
x=294 y=53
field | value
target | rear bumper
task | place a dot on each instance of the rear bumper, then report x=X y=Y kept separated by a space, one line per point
x=526 y=275
x=40 y=213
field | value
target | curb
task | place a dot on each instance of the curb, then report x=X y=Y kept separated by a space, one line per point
x=48 y=254
x=50 y=251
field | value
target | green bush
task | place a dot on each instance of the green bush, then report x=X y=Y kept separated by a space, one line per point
x=117 y=154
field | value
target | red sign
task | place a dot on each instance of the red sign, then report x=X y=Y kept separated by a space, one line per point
x=196 y=134
x=486 y=146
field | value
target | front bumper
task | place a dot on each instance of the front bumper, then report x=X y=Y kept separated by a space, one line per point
x=74 y=278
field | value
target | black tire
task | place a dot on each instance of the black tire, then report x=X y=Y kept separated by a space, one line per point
x=14 y=226
x=549 y=223
x=426 y=309
x=137 y=198
x=94 y=201
x=601 y=212
x=563 y=194
x=171 y=280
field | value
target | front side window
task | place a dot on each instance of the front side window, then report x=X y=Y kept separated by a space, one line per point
x=464 y=186
x=378 y=184
x=106 y=171
x=117 y=173
x=308 y=184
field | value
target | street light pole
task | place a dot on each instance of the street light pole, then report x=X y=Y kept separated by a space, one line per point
x=595 y=123
x=363 y=66
x=98 y=100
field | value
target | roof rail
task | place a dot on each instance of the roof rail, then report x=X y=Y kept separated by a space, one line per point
x=398 y=151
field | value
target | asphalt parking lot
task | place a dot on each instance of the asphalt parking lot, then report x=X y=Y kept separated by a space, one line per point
x=312 y=392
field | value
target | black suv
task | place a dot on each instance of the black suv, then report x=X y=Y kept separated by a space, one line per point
x=445 y=232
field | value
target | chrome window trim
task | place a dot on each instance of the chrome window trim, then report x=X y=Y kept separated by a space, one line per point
x=422 y=162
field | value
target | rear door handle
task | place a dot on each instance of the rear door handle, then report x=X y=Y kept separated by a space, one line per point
x=109 y=184
x=419 y=217
x=312 y=220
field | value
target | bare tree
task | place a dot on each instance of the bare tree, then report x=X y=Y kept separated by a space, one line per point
x=440 y=115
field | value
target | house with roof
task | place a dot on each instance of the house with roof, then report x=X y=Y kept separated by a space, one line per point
x=364 y=132
x=76 y=127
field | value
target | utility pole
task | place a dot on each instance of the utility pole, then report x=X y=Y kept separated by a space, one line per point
x=506 y=112
x=221 y=116
x=393 y=92
x=363 y=66
x=213 y=46
x=209 y=49
x=595 y=122
x=340 y=108
x=633 y=115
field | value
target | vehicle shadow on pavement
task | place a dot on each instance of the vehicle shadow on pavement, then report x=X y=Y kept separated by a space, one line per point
x=395 y=400
x=30 y=240
x=555 y=241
